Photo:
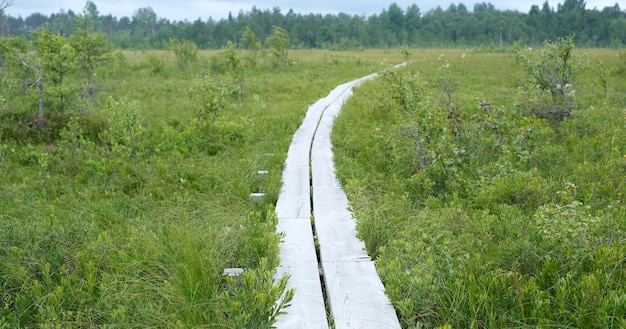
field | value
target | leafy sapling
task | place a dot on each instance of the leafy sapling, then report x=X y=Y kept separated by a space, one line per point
x=551 y=92
x=278 y=44
x=124 y=126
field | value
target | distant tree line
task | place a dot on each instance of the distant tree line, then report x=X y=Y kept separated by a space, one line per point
x=455 y=26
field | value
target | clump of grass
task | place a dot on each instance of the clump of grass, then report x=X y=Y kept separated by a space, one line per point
x=126 y=214
x=489 y=218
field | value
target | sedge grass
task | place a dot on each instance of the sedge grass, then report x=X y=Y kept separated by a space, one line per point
x=508 y=223
x=92 y=234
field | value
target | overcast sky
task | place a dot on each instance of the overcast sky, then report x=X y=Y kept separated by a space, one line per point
x=217 y=9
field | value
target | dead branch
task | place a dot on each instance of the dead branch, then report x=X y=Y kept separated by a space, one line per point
x=5 y=3
x=38 y=82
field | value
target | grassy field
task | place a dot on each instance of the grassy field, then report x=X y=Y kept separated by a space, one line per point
x=480 y=214
x=125 y=211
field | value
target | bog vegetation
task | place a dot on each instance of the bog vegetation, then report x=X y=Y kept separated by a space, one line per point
x=126 y=177
x=488 y=185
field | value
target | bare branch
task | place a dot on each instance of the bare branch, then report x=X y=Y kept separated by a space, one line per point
x=20 y=56
x=38 y=82
x=5 y=3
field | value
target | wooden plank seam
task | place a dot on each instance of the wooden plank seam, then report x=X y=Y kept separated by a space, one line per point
x=354 y=292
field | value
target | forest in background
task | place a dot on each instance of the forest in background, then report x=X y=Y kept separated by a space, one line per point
x=457 y=26
x=484 y=183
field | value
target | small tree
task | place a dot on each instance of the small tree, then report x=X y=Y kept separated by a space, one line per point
x=92 y=49
x=252 y=45
x=39 y=82
x=20 y=72
x=58 y=58
x=186 y=53
x=551 y=91
x=278 y=44
x=124 y=126
x=234 y=65
x=406 y=53
x=10 y=63
x=207 y=99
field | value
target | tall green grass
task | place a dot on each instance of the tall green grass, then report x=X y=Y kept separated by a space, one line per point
x=489 y=218
x=101 y=227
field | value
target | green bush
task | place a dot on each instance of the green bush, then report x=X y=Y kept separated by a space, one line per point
x=186 y=53
x=156 y=63
x=551 y=93
x=489 y=231
x=126 y=214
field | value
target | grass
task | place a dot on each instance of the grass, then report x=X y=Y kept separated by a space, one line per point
x=483 y=216
x=127 y=216
x=488 y=218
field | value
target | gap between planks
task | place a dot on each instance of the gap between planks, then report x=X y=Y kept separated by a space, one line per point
x=354 y=293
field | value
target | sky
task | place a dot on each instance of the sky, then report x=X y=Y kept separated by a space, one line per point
x=191 y=10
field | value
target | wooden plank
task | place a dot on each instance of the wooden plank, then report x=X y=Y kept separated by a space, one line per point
x=297 y=248
x=335 y=226
x=356 y=296
x=298 y=154
x=294 y=199
x=296 y=181
x=297 y=242
x=323 y=172
x=307 y=308
x=299 y=261
x=291 y=207
x=354 y=290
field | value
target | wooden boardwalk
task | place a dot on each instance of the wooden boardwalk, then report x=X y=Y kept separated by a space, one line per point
x=311 y=196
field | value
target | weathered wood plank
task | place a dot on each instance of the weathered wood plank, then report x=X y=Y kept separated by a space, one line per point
x=335 y=226
x=299 y=261
x=299 y=150
x=297 y=242
x=296 y=181
x=352 y=288
x=294 y=199
x=307 y=308
x=297 y=248
x=290 y=207
x=355 y=292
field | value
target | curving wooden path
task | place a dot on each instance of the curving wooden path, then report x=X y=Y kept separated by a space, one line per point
x=312 y=206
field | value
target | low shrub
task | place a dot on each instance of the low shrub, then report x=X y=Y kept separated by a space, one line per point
x=497 y=220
